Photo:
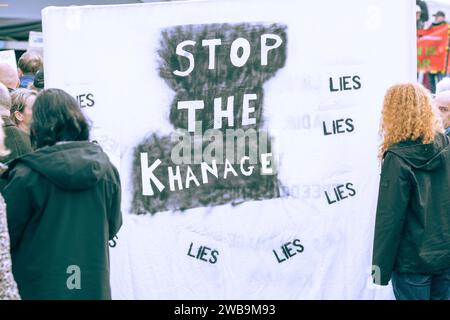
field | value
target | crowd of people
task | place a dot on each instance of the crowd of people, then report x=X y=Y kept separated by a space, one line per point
x=60 y=194
x=429 y=79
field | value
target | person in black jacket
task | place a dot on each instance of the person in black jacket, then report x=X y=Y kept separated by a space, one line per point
x=63 y=206
x=412 y=231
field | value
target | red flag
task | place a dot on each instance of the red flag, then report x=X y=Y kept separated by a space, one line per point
x=432 y=48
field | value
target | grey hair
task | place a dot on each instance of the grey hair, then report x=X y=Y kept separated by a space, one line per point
x=443 y=85
x=18 y=101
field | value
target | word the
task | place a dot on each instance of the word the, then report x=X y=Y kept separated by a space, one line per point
x=338 y=127
x=341 y=192
x=203 y=253
x=289 y=250
x=219 y=114
x=240 y=51
x=345 y=83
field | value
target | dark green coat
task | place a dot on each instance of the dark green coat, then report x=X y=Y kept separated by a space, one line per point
x=16 y=141
x=412 y=232
x=63 y=206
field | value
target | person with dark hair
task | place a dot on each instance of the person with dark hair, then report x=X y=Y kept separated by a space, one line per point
x=29 y=63
x=424 y=16
x=38 y=83
x=63 y=206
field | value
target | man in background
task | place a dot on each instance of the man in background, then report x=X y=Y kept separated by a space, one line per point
x=442 y=101
x=436 y=76
x=9 y=77
x=29 y=64
x=439 y=19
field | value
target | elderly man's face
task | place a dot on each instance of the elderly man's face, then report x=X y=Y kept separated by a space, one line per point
x=442 y=102
x=438 y=19
x=445 y=114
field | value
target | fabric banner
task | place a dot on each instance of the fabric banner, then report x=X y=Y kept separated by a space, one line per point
x=9 y=57
x=432 y=49
x=246 y=136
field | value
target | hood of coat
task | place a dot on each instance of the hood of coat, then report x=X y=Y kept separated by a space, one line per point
x=427 y=157
x=70 y=165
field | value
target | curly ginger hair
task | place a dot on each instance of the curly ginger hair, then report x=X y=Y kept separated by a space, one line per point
x=408 y=114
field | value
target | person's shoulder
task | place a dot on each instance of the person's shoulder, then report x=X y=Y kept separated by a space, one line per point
x=391 y=156
x=11 y=128
x=394 y=160
x=112 y=174
x=19 y=169
x=8 y=124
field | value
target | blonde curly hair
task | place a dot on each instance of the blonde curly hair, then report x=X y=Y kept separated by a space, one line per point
x=408 y=114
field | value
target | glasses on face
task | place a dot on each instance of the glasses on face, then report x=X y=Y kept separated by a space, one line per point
x=444 y=108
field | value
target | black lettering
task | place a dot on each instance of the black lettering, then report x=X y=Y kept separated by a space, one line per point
x=339 y=126
x=285 y=252
x=350 y=187
x=325 y=131
x=328 y=199
x=337 y=194
x=80 y=99
x=341 y=192
x=204 y=253
x=346 y=83
x=278 y=259
x=299 y=246
x=214 y=255
x=332 y=89
x=288 y=250
x=189 y=251
x=199 y=252
x=350 y=126
x=90 y=99
x=357 y=82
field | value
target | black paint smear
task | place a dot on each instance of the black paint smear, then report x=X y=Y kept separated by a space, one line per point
x=218 y=191
x=225 y=80
x=204 y=84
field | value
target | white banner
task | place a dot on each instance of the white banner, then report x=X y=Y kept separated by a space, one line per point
x=9 y=57
x=169 y=85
